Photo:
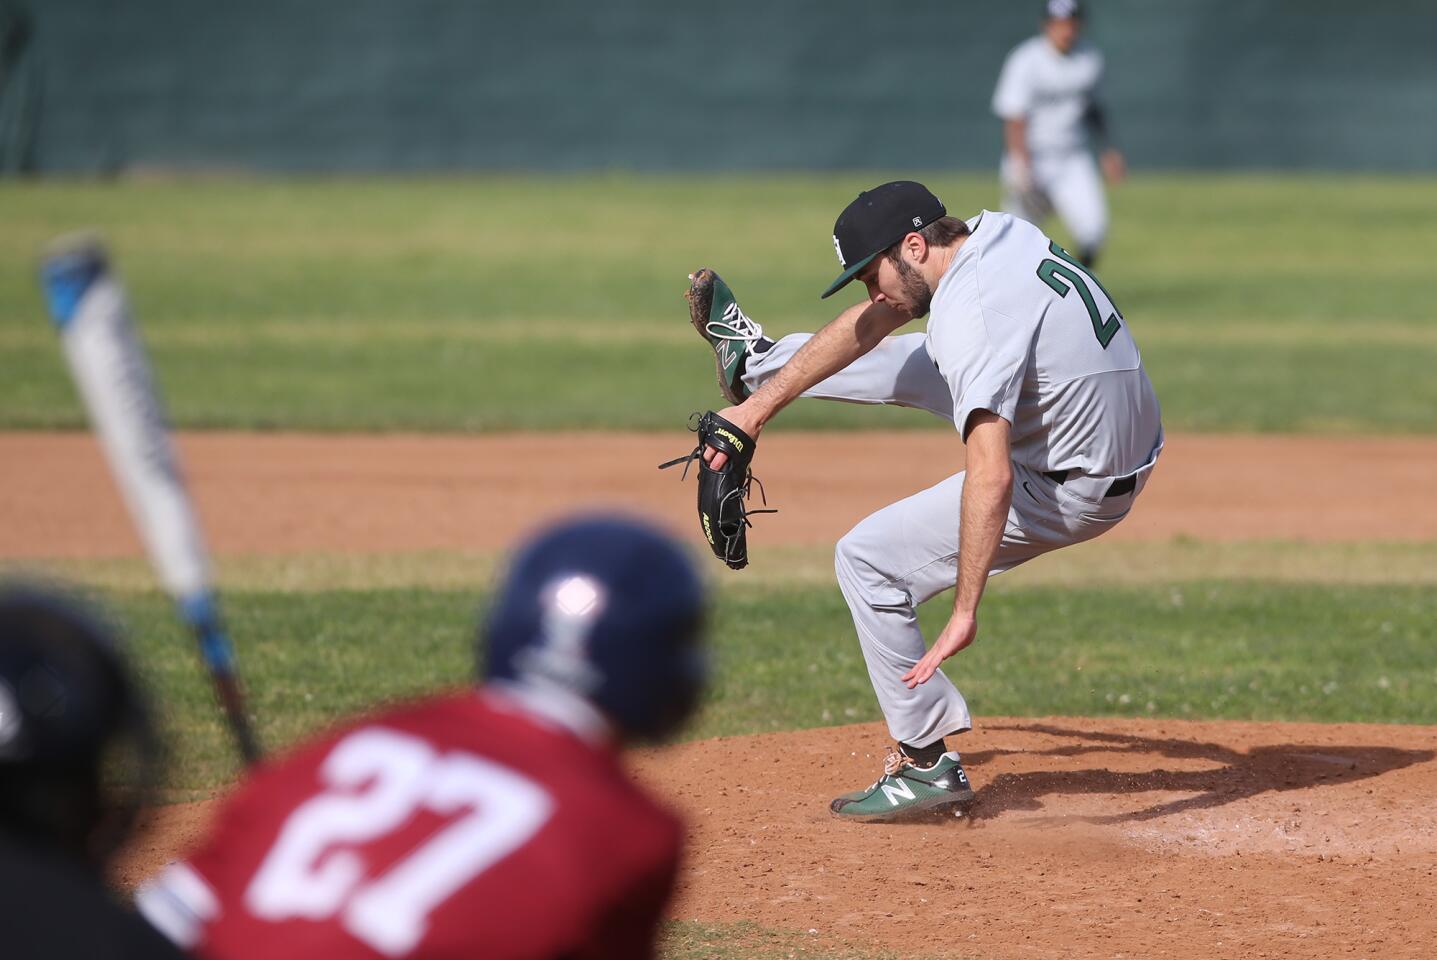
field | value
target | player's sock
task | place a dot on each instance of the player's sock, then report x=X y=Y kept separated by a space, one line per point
x=924 y=756
x=1088 y=256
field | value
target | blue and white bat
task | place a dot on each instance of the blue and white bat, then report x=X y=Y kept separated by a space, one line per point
x=110 y=369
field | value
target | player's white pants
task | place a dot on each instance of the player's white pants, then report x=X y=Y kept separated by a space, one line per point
x=897 y=371
x=907 y=552
x=1068 y=182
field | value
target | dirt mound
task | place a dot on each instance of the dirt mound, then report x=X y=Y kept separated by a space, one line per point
x=292 y=493
x=1090 y=838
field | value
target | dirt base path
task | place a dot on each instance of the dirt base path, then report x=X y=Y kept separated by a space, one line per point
x=293 y=493
x=1090 y=838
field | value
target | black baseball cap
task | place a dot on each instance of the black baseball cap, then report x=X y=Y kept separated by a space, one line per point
x=877 y=220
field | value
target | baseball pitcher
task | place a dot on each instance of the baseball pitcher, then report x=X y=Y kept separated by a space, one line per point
x=1047 y=97
x=1033 y=363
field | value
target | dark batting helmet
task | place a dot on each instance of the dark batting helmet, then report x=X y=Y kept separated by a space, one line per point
x=78 y=751
x=611 y=610
x=1063 y=9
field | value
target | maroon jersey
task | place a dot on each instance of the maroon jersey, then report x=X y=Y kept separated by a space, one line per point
x=455 y=827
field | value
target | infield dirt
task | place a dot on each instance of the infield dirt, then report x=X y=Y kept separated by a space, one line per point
x=1091 y=838
x=292 y=493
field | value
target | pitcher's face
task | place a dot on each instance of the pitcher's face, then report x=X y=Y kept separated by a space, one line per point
x=899 y=285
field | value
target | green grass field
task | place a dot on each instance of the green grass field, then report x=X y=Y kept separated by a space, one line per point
x=1265 y=303
x=1174 y=642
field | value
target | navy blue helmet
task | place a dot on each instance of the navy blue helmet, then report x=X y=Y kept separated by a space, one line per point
x=78 y=751
x=611 y=610
x=1063 y=9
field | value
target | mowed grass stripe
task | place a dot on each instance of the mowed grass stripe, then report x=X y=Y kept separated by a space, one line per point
x=421 y=304
x=789 y=659
x=778 y=569
x=459 y=385
x=419 y=331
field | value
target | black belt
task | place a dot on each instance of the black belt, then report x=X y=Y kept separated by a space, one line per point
x=1119 y=487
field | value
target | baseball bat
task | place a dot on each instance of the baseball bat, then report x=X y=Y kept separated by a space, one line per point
x=110 y=369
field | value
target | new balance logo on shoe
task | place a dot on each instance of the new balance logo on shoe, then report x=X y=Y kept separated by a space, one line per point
x=727 y=355
x=898 y=788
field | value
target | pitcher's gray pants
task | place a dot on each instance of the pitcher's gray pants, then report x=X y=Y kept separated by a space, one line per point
x=907 y=552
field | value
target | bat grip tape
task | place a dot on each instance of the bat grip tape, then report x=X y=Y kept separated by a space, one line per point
x=66 y=277
x=200 y=611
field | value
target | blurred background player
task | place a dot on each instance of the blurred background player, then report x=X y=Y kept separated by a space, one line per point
x=496 y=823
x=77 y=752
x=1047 y=98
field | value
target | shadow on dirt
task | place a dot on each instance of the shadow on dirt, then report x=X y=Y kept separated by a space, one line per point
x=1241 y=774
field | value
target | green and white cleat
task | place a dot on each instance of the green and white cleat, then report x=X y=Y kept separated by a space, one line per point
x=909 y=792
x=733 y=336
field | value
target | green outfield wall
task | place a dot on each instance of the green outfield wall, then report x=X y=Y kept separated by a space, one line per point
x=369 y=85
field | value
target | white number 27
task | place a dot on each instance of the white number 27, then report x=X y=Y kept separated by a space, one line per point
x=379 y=778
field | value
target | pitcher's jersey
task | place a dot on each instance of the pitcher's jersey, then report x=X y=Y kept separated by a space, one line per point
x=1051 y=90
x=455 y=827
x=1019 y=328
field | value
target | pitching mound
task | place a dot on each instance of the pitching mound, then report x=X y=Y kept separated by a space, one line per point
x=1090 y=838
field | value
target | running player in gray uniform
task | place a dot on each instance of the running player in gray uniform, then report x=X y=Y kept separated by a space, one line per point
x=1047 y=98
x=1032 y=362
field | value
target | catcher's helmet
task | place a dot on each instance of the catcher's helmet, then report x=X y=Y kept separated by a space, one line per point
x=78 y=752
x=611 y=610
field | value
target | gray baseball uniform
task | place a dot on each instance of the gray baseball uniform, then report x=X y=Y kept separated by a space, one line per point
x=1052 y=92
x=1020 y=329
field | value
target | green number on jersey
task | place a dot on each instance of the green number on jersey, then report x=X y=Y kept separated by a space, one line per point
x=1077 y=278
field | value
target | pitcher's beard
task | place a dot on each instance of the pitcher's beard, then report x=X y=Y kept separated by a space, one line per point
x=915 y=290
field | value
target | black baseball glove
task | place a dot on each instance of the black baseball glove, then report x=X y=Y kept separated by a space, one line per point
x=723 y=493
